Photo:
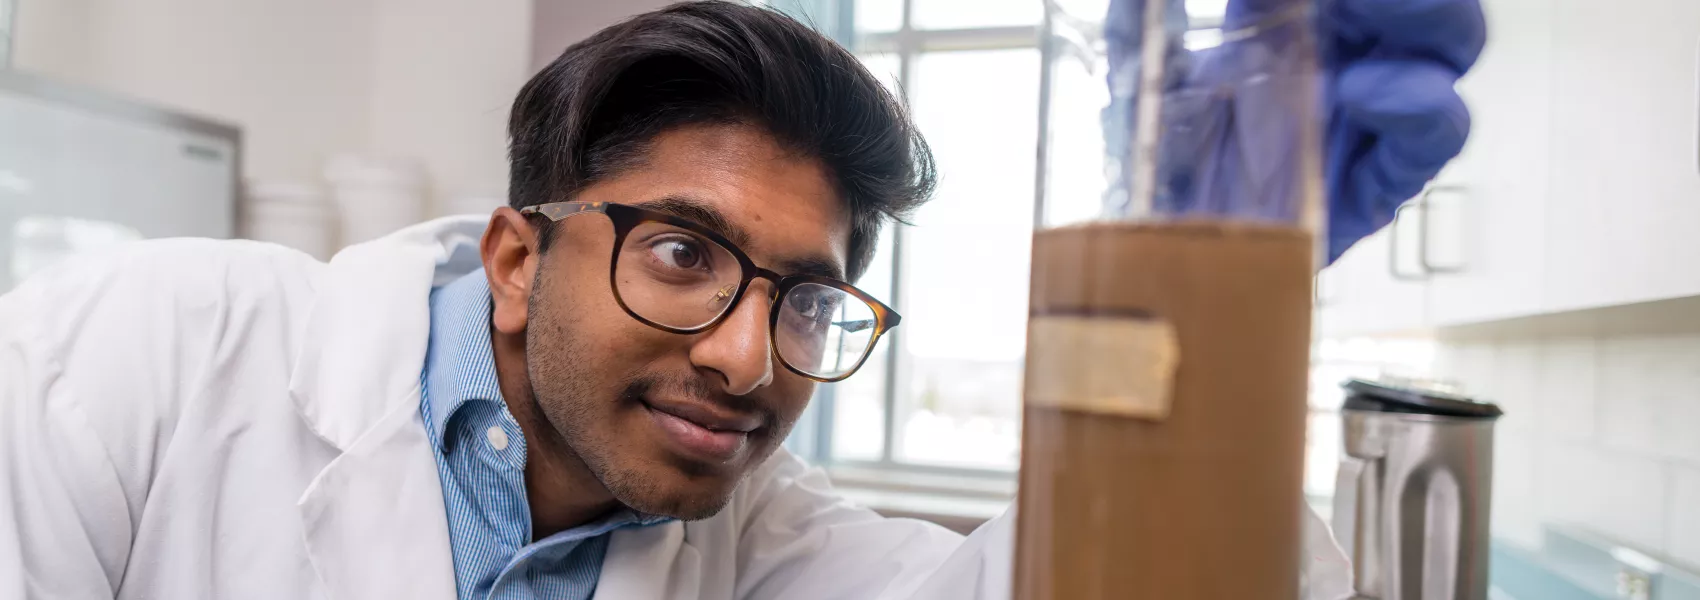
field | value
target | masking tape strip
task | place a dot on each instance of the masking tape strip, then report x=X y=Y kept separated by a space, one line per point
x=1114 y=364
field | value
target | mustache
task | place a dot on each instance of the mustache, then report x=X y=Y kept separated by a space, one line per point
x=642 y=387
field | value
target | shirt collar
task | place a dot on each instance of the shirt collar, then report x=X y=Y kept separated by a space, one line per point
x=460 y=363
x=460 y=367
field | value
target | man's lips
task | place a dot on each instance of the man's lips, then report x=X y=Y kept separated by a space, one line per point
x=707 y=416
x=703 y=432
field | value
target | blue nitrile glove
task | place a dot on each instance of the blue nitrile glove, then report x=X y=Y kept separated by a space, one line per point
x=1395 y=119
x=1230 y=117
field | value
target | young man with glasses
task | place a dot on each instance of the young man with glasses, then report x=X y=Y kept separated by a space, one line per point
x=582 y=394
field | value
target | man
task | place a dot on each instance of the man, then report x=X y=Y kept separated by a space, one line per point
x=583 y=394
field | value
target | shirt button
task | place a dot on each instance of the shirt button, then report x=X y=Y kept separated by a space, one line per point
x=498 y=438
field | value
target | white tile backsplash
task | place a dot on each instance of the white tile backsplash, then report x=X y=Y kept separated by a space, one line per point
x=1515 y=464
x=1619 y=495
x=1515 y=385
x=1682 y=541
x=1567 y=389
x=1600 y=432
x=1679 y=422
x=1631 y=393
x=1469 y=365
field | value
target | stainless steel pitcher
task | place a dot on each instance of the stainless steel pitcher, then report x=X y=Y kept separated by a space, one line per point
x=1414 y=489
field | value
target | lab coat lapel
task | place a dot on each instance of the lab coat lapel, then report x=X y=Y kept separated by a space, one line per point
x=373 y=518
x=365 y=336
x=651 y=562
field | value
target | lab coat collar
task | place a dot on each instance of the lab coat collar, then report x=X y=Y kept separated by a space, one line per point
x=658 y=561
x=377 y=509
x=366 y=333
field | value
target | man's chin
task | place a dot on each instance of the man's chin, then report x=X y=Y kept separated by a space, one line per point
x=685 y=507
x=665 y=489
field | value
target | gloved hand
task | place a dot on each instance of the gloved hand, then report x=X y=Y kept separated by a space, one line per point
x=1230 y=115
x=1395 y=119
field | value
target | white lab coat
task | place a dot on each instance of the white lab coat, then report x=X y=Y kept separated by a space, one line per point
x=214 y=419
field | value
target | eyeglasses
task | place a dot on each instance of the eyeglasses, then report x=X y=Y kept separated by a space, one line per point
x=681 y=277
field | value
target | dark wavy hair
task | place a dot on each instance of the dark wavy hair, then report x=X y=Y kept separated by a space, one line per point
x=593 y=112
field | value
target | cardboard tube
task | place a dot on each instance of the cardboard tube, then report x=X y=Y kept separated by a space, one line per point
x=1162 y=450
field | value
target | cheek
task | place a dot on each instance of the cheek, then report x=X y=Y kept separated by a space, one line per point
x=791 y=394
x=615 y=343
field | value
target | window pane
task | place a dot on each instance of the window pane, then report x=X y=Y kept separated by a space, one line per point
x=1199 y=10
x=858 y=415
x=877 y=16
x=963 y=14
x=1075 y=180
x=966 y=261
x=887 y=67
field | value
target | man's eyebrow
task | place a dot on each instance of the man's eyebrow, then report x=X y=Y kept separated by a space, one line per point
x=811 y=266
x=702 y=213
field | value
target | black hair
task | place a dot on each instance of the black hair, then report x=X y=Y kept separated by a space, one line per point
x=592 y=113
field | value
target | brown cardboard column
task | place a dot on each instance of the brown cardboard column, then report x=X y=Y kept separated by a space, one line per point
x=1194 y=496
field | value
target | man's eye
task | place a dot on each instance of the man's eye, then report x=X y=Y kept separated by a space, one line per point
x=805 y=305
x=813 y=306
x=679 y=254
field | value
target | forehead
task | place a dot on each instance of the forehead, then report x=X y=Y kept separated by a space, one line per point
x=783 y=201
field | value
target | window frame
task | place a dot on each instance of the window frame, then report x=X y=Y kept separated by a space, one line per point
x=907 y=44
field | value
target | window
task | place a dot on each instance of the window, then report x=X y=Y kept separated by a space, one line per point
x=943 y=392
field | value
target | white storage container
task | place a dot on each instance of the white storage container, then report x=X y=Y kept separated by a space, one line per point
x=297 y=215
x=375 y=196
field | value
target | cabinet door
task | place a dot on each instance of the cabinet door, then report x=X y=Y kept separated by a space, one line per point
x=1375 y=288
x=1485 y=214
x=1624 y=220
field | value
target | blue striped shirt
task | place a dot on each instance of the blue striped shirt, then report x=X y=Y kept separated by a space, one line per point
x=480 y=454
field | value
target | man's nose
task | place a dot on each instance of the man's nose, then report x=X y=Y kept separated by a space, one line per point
x=738 y=348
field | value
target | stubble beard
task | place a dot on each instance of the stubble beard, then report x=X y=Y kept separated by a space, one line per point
x=562 y=387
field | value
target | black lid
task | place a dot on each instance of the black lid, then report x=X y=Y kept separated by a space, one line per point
x=1367 y=395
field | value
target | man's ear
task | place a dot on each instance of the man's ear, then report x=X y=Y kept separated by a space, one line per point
x=510 y=253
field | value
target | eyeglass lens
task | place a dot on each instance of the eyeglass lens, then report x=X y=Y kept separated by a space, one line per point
x=823 y=331
x=674 y=277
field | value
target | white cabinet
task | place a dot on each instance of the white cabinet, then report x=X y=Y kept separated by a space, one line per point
x=1579 y=187
x=1485 y=229
x=1375 y=288
x=1624 y=213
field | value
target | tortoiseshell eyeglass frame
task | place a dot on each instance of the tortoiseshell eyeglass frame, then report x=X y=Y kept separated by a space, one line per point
x=625 y=218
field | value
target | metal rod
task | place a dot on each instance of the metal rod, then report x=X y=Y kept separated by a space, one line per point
x=1142 y=164
x=1041 y=153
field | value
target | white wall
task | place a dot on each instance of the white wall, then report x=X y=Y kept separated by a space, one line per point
x=47 y=42
x=430 y=79
x=294 y=74
x=1600 y=431
x=444 y=75
x=556 y=24
x=305 y=79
